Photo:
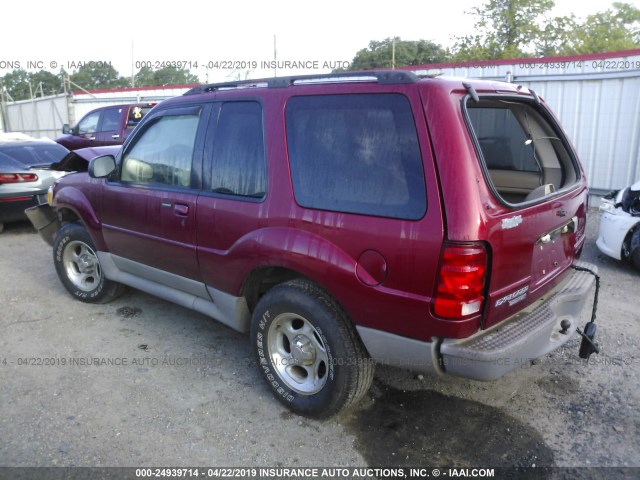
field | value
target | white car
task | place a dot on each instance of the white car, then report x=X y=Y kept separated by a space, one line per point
x=619 y=235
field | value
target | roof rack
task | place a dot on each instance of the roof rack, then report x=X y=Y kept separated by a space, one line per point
x=383 y=77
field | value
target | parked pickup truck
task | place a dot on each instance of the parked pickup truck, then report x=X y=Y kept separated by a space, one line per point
x=104 y=126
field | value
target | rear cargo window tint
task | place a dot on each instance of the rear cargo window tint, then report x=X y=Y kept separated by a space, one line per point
x=526 y=157
x=356 y=154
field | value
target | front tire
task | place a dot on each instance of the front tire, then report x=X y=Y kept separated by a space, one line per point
x=78 y=266
x=308 y=351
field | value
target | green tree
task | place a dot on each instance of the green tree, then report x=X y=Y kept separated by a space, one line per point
x=17 y=84
x=522 y=28
x=98 y=75
x=51 y=84
x=617 y=28
x=170 y=75
x=22 y=85
x=144 y=77
x=381 y=54
x=504 y=29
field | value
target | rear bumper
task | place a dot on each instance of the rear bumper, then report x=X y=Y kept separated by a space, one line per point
x=45 y=221
x=527 y=335
x=13 y=210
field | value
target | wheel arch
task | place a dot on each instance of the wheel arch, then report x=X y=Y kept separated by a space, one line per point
x=631 y=241
x=72 y=205
x=262 y=279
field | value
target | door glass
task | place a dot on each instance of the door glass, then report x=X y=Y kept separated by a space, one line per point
x=111 y=119
x=238 y=153
x=162 y=155
x=89 y=124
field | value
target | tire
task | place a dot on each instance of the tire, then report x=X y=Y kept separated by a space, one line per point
x=78 y=267
x=308 y=351
x=634 y=248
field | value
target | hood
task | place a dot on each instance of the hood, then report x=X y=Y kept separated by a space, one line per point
x=78 y=160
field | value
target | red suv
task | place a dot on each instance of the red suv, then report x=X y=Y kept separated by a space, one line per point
x=427 y=223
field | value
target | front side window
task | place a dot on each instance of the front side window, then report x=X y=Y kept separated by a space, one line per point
x=238 y=163
x=162 y=155
x=89 y=124
x=356 y=154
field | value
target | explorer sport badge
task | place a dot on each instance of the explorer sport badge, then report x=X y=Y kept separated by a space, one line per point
x=513 y=297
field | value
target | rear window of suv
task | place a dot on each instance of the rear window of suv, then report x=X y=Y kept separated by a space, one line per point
x=524 y=155
x=356 y=154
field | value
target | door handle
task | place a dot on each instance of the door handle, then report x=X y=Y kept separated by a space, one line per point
x=181 y=210
x=115 y=137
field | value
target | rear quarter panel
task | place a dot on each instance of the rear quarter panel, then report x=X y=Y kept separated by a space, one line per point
x=473 y=213
x=325 y=246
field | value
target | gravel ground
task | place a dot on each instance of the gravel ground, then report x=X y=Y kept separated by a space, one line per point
x=182 y=390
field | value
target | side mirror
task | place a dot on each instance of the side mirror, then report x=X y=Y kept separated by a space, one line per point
x=66 y=129
x=102 y=166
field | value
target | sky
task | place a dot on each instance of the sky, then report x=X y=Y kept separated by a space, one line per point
x=228 y=39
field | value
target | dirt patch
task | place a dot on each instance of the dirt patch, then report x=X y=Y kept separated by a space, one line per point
x=425 y=427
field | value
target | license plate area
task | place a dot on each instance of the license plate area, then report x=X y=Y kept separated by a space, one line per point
x=552 y=253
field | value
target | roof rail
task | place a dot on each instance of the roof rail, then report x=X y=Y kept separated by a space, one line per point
x=383 y=77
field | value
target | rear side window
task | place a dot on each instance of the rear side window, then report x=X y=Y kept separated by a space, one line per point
x=163 y=153
x=356 y=154
x=136 y=114
x=525 y=156
x=111 y=119
x=238 y=163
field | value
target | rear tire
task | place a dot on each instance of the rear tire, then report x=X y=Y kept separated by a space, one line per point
x=308 y=351
x=634 y=248
x=78 y=267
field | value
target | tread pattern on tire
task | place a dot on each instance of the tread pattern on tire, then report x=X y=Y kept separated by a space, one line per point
x=111 y=289
x=364 y=371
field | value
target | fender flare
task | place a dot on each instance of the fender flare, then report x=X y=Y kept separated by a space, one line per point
x=75 y=200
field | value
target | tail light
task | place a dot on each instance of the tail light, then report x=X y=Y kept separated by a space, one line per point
x=17 y=177
x=461 y=280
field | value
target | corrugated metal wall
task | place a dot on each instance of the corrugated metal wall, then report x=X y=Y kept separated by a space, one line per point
x=41 y=117
x=596 y=99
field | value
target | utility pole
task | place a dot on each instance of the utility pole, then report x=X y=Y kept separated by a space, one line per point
x=4 y=117
x=393 y=53
x=133 y=75
x=275 y=57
